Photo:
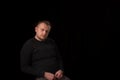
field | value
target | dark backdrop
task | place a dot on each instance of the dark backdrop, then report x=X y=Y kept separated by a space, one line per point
x=86 y=33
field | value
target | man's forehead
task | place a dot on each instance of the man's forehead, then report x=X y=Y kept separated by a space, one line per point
x=43 y=25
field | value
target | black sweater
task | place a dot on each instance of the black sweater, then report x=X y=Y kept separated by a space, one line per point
x=37 y=57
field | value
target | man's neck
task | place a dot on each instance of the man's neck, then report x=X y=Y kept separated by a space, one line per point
x=38 y=38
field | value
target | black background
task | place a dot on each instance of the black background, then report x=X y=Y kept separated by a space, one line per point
x=87 y=34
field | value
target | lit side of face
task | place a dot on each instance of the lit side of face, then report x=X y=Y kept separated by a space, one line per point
x=42 y=30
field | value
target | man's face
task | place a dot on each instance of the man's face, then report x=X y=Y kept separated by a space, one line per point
x=42 y=31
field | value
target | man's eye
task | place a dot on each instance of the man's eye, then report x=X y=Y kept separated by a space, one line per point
x=42 y=29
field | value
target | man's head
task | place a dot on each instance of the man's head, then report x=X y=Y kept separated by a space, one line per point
x=42 y=30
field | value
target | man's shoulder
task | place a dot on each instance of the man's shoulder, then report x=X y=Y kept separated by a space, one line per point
x=50 y=39
x=29 y=41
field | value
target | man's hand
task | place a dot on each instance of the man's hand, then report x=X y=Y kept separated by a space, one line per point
x=49 y=76
x=59 y=74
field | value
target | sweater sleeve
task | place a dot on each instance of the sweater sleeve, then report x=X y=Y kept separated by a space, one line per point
x=59 y=58
x=26 y=60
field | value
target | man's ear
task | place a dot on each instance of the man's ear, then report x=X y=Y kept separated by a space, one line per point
x=35 y=29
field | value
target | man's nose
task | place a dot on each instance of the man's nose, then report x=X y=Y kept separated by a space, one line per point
x=44 y=32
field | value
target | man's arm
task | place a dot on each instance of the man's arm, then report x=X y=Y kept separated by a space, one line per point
x=25 y=60
x=59 y=58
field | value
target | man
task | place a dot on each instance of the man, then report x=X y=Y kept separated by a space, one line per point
x=40 y=56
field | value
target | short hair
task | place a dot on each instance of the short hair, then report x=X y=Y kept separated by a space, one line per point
x=43 y=21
